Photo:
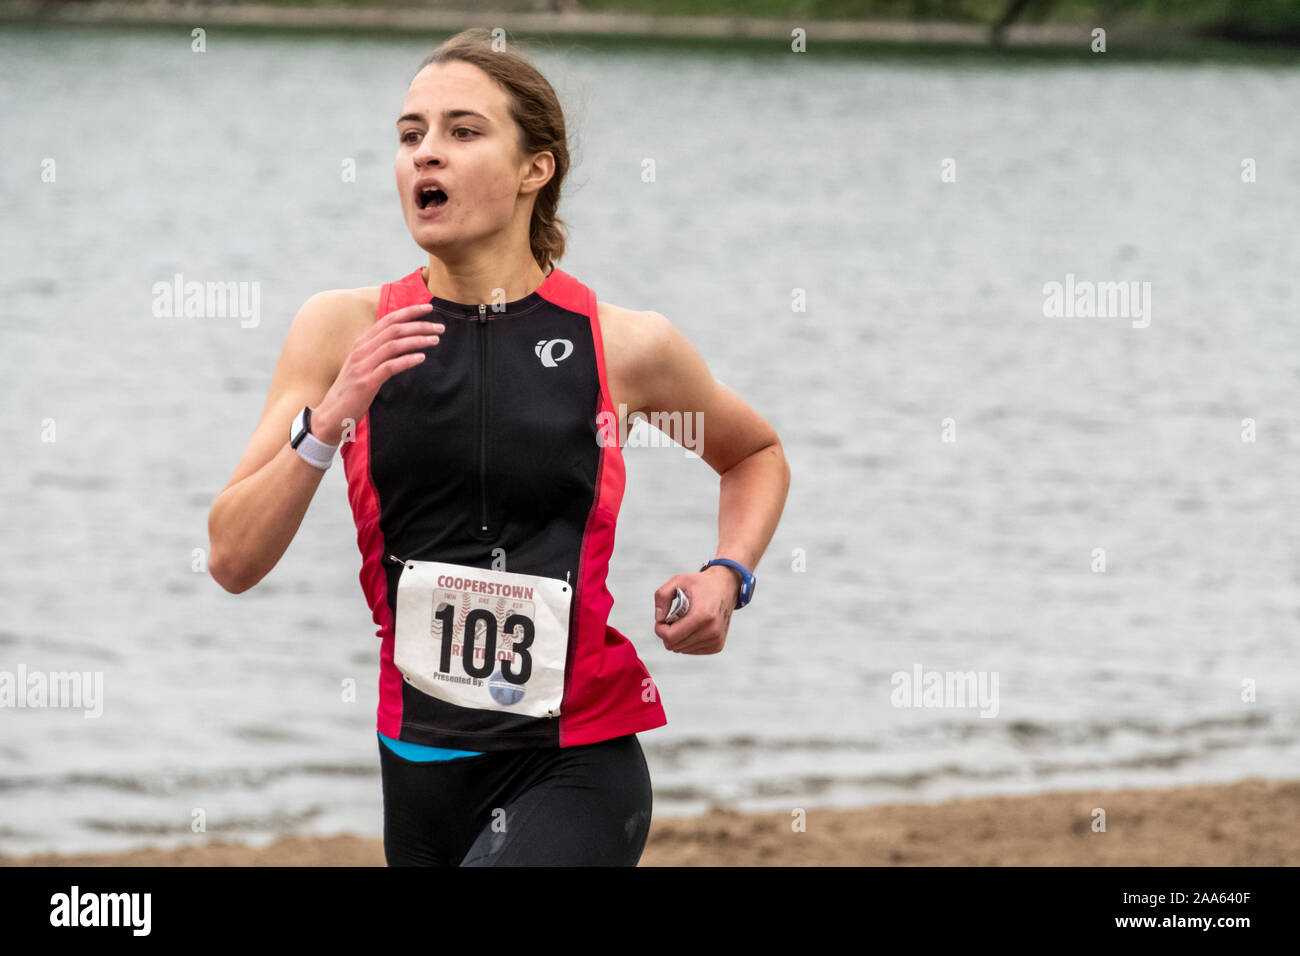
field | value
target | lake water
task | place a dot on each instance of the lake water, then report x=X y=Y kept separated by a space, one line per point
x=923 y=302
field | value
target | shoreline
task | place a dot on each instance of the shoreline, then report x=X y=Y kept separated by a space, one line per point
x=1252 y=822
x=1132 y=37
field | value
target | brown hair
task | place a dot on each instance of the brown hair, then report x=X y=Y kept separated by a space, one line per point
x=536 y=111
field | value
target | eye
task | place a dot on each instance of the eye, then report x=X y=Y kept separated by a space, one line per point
x=406 y=137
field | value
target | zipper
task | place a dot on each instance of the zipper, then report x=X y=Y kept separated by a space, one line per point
x=482 y=419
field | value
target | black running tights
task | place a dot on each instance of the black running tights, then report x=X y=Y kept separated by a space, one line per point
x=561 y=806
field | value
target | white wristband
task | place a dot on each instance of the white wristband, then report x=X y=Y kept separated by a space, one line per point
x=316 y=452
x=311 y=449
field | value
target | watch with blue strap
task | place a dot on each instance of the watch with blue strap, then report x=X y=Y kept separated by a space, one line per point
x=746 y=579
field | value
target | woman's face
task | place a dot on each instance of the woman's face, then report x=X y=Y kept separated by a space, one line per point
x=455 y=128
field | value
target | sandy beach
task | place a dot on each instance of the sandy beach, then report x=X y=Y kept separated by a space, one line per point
x=1252 y=822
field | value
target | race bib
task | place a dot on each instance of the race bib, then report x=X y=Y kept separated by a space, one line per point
x=474 y=637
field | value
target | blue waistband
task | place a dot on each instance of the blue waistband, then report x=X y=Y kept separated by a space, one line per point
x=411 y=751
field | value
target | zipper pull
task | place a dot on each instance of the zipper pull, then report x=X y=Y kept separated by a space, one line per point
x=482 y=312
x=397 y=559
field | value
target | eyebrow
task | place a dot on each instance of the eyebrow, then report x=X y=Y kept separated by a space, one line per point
x=449 y=114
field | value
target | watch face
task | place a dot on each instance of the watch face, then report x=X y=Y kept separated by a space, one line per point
x=301 y=428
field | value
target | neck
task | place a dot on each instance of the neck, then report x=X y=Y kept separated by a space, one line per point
x=485 y=282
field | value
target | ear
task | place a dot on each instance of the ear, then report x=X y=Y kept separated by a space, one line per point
x=537 y=172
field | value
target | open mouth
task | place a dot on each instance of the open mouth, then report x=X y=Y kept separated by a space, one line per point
x=431 y=198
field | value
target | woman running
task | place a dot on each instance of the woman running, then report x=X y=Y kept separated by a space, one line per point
x=477 y=402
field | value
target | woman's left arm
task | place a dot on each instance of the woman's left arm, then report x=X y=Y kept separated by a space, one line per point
x=681 y=397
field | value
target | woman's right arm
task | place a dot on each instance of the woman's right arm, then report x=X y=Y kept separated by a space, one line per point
x=324 y=364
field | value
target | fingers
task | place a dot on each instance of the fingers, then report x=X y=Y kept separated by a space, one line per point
x=708 y=635
x=398 y=319
x=675 y=636
x=695 y=647
x=406 y=312
x=400 y=327
x=682 y=633
x=695 y=632
x=670 y=634
x=700 y=638
x=390 y=368
x=394 y=347
x=664 y=599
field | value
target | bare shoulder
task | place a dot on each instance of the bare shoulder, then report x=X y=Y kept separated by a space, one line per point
x=635 y=340
x=363 y=297
x=335 y=318
x=633 y=326
x=349 y=308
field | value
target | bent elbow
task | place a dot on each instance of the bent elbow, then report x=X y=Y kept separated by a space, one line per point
x=779 y=450
x=228 y=576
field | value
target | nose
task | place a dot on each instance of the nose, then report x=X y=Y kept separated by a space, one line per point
x=427 y=154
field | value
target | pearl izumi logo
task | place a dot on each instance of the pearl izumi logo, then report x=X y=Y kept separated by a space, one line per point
x=545 y=350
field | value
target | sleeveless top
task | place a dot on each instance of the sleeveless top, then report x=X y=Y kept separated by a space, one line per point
x=485 y=484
